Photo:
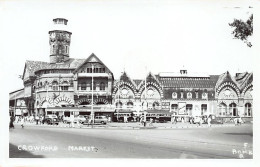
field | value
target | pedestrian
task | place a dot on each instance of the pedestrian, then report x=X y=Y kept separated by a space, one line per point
x=240 y=120
x=209 y=121
x=109 y=119
x=37 y=119
x=41 y=119
x=78 y=123
x=151 y=122
x=235 y=121
x=22 y=121
x=125 y=119
x=172 y=119
x=12 y=119
x=141 y=120
x=72 y=121
x=16 y=119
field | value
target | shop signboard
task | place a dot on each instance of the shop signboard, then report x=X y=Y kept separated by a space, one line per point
x=165 y=105
x=182 y=108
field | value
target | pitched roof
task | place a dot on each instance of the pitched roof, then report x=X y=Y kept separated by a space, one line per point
x=33 y=66
x=225 y=77
x=189 y=82
x=89 y=59
x=124 y=77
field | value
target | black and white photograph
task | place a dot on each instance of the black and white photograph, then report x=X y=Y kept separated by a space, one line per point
x=94 y=80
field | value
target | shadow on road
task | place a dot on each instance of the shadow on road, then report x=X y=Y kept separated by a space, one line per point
x=249 y=134
x=15 y=153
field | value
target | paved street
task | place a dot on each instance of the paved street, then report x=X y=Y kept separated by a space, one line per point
x=60 y=142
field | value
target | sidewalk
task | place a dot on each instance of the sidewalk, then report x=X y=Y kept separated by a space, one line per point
x=135 y=125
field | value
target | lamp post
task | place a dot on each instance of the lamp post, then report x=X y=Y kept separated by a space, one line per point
x=92 y=97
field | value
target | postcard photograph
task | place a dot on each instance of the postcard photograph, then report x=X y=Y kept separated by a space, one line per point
x=129 y=79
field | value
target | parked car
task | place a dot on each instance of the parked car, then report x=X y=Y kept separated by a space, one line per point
x=80 y=118
x=196 y=119
x=51 y=120
x=101 y=119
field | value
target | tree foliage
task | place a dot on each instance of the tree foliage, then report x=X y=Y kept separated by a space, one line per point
x=243 y=29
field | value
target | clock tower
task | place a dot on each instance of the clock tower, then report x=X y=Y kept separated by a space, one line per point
x=59 y=40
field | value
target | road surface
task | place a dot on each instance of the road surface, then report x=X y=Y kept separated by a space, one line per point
x=192 y=143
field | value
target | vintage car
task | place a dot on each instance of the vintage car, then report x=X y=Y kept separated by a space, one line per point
x=51 y=120
x=101 y=119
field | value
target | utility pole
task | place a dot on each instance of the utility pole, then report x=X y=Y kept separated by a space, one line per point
x=92 y=103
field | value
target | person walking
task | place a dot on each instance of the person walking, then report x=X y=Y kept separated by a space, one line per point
x=37 y=119
x=22 y=121
x=151 y=122
x=12 y=119
x=72 y=121
x=209 y=121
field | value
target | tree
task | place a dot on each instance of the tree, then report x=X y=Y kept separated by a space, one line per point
x=243 y=29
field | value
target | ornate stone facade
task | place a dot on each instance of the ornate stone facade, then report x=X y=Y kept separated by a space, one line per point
x=65 y=86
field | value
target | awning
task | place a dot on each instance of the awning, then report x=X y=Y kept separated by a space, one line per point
x=124 y=110
x=16 y=95
x=159 y=111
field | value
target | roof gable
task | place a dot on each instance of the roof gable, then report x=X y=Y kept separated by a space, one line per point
x=149 y=78
x=225 y=77
x=91 y=59
x=124 y=77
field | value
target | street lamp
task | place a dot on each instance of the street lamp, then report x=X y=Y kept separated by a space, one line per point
x=92 y=97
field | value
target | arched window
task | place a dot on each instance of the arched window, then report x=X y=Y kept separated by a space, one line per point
x=65 y=85
x=83 y=86
x=130 y=104
x=248 y=110
x=204 y=108
x=102 y=86
x=222 y=109
x=233 y=109
x=33 y=90
x=119 y=105
x=189 y=109
x=55 y=85
x=156 y=105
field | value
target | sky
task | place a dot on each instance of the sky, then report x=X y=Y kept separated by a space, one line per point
x=131 y=36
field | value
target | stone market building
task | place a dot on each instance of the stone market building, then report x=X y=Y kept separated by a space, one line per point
x=66 y=86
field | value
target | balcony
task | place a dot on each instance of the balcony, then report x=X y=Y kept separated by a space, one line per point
x=93 y=74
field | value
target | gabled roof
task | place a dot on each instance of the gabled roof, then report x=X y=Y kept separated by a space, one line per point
x=91 y=58
x=189 y=82
x=150 y=78
x=124 y=77
x=225 y=77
